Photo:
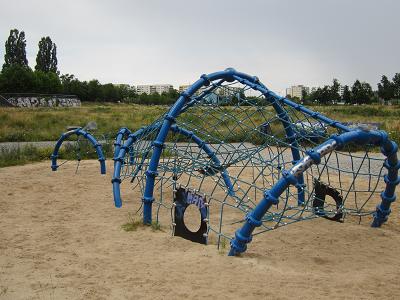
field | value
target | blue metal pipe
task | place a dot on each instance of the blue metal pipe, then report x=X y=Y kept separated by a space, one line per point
x=89 y=137
x=211 y=154
x=123 y=132
x=392 y=164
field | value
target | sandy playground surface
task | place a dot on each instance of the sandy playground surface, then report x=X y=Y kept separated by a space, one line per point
x=61 y=238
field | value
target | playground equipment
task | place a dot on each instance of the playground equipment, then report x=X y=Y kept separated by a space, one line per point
x=82 y=146
x=251 y=161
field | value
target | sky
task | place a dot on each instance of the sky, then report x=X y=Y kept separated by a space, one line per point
x=283 y=42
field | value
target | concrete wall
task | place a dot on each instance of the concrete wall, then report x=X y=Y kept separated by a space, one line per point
x=38 y=101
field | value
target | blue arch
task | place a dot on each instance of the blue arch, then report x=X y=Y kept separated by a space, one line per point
x=116 y=181
x=86 y=135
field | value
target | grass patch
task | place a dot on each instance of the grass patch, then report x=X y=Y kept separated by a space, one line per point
x=131 y=226
x=224 y=242
x=46 y=124
x=134 y=223
x=23 y=155
x=222 y=246
x=155 y=226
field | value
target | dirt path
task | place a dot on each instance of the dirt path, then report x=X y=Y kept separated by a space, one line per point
x=61 y=238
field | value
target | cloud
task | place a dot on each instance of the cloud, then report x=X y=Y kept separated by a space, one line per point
x=282 y=42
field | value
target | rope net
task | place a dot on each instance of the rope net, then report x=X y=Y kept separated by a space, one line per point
x=231 y=144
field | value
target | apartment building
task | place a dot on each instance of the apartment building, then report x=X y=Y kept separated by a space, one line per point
x=153 y=88
x=222 y=92
x=297 y=91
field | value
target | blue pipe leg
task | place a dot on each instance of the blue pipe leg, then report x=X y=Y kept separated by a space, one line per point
x=243 y=236
x=392 y=164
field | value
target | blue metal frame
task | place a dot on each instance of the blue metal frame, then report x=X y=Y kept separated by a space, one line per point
x=294 y=176
x=116 y=181
x=86 y=135
x=228 y=75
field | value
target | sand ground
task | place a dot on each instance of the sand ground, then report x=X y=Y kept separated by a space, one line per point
x=61 y=238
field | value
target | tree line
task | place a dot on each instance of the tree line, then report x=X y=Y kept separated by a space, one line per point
x=17 y=77
x=358 y=93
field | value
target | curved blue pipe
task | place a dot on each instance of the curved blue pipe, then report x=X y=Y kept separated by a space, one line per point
x=86 y=135
x=122 y=133
x=211 y=154
x=119 y=160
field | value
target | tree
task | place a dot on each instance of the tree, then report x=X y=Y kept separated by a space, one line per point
x=346 y=97
x=17 y=79
x=304 y=94
x=322 y=95
x=385 y=89
x=361 y=93
x=15 y=50
x=327 y=94
x=71 y=85
x=396 y=86
x=47 y=83
x=46 y=59
x=334 y=90
x=110 y=92
x=95 y=92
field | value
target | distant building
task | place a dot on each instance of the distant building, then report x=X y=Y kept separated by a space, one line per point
x=297 y=91
x=222 y=92
x=153 y=89
x=341 y=90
